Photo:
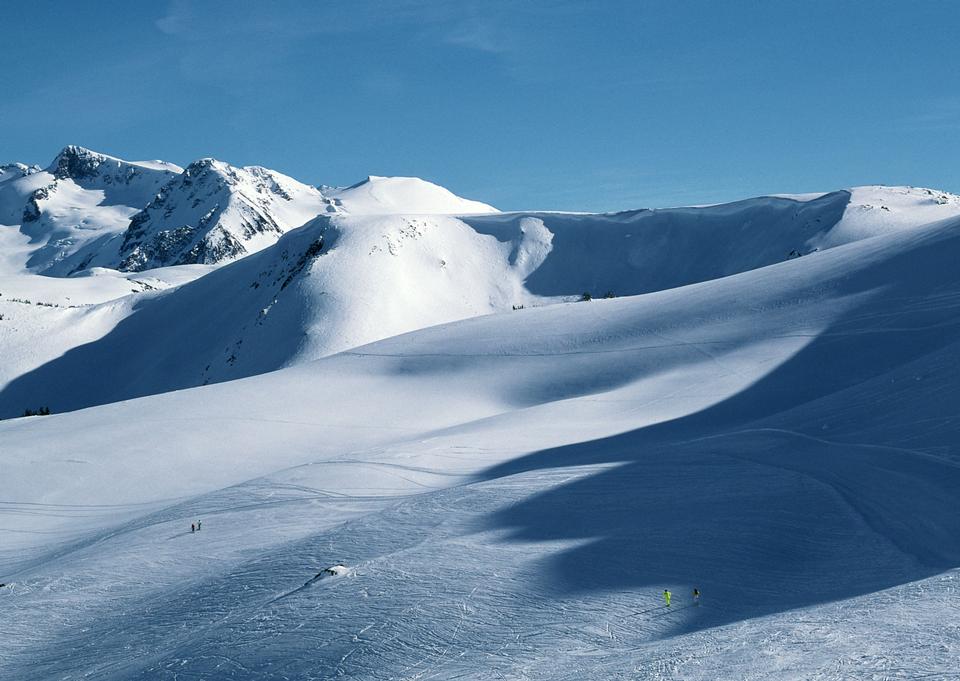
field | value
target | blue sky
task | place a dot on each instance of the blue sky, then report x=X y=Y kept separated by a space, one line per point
x=565 y=105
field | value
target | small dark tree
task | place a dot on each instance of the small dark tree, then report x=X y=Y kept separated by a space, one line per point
x=586 y=296
x=42 y=411
x=609 y=294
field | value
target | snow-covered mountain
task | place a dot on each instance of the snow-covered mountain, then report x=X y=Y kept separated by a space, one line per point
x=418 y=451
x=89 y=210
x=511 y=494
x=344 y=280
x=80 y=201
x=214 y=212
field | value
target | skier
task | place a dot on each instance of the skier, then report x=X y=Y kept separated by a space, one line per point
x=198 y=526
x=696 y=596
x=666 y=596
x=193 y=528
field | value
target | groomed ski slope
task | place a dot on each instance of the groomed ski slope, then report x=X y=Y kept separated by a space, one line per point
x=513 y=493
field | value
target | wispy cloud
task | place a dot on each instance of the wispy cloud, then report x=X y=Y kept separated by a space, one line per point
x=243 y=40
x=939 y=114
x=479 y=34
x=176 y=21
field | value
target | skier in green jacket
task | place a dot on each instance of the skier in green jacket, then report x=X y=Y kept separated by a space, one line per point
x=666 y=596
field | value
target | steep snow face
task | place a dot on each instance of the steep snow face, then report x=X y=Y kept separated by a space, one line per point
x=79 y=202
x=651 y=250
x=215 y=212
x=380 y=195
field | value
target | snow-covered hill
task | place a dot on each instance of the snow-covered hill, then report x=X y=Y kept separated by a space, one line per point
x=512 y=493
x=344 y=280
x=411 y=195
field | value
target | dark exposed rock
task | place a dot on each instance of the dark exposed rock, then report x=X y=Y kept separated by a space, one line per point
x=218 y=208
x=32 y=211
x=313 y=250
x=76 y=163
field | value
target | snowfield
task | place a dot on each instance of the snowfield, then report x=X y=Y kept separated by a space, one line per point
x=767 y=411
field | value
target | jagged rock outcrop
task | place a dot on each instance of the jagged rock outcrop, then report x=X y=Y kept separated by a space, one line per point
x=214 y=212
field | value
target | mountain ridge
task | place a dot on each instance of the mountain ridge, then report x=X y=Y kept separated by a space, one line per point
x=87 y=209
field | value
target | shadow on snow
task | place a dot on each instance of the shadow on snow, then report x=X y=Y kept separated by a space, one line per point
x=831 y=477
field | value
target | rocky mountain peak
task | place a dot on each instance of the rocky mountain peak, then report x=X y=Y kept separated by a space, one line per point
x=76 y=163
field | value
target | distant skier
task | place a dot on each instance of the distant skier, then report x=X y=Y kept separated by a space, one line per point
x=193 y=528
x=696 y=596
x=666 y=596
x=198 y=526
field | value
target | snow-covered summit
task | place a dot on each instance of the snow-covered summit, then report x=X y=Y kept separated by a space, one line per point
x=79 y=163
x=214 y=212
x=381 y=195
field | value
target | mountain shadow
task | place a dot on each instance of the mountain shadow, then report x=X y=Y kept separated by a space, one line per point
x=835 y=475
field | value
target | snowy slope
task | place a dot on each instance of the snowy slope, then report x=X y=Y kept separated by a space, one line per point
x=345 y=280
x=882 y=210
x=337 y=283
x=513 y=492
x=42 y=318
